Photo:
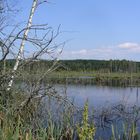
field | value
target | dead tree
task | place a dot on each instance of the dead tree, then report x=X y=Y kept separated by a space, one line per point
x=20 y=53
x=41 y=38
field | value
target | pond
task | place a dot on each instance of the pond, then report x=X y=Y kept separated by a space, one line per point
x=100 y=96
x=113 y=105
x=109 y=103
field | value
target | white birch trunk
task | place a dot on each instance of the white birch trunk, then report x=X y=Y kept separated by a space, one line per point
x=21 y=49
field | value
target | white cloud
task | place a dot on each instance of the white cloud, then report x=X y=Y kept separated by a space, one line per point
x=80 y=52
x=129 y=45
x=96 y=53
x=126 y=50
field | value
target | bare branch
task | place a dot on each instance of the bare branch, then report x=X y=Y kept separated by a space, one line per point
x=23 y=42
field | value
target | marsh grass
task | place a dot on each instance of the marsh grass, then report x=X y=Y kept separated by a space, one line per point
x=27 y=123
x=12 y=128
x=55 y=121
x=90 y=77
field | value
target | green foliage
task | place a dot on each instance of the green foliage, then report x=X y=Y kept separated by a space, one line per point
x=81 y=65
x=25 y=124
x=128 y=132
x=86 y=131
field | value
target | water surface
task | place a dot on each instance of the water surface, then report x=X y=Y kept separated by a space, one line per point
x=100 y=96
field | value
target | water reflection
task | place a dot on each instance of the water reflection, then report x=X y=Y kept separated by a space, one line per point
x=99 y=96
x=137 y=95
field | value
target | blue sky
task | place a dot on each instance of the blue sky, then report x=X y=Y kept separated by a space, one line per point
x=97 y=29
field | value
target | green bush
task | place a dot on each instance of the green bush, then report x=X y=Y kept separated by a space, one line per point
x=86 y=131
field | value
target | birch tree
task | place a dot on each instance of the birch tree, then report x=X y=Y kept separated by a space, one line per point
x=20 y=53
x=41 y=38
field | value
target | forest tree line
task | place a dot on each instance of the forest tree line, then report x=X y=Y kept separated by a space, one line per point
x=81 y=65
